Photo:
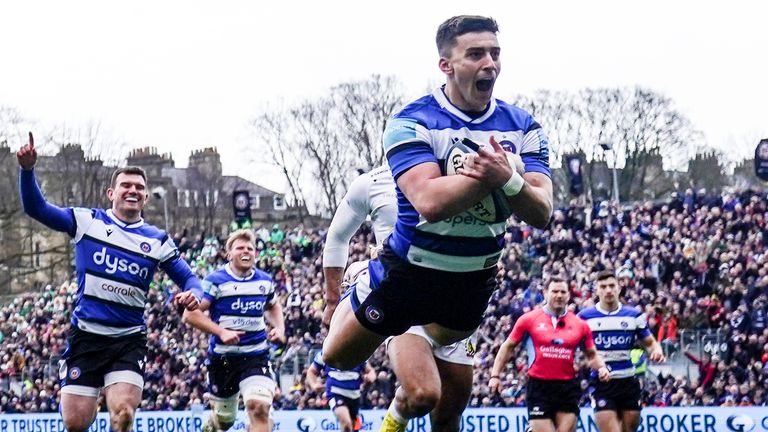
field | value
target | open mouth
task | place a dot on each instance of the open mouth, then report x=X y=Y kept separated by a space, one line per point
x=245 y=258
x=131 y=199
x=484 y=85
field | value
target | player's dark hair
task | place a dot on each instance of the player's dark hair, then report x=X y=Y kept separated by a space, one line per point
x=456 y=26
x=606 y=274
x=127 y=170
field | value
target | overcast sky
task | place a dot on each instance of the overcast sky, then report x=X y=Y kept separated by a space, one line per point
x=183 y=75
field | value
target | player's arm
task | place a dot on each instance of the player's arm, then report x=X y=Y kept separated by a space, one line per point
x=32 y=200
x=438 y=197
x=533 y=204
x=274 y=315
x=180 y=273
x=200 y=320
x=653 y=348
x=349 y=215
x=519 y=332
x=415 y=168
x=594 y=360
x=369 y=374
x=314 y=381
x=529 y=190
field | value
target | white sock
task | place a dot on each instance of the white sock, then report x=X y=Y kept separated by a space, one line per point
x=396 y=414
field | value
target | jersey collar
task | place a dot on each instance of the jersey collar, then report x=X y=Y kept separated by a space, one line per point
x=122 y=224
x=446 y=104
x=234 y=275
x=605 y=312
x=549 y=312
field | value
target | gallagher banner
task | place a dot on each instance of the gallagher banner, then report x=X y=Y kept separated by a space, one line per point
x=688 y=419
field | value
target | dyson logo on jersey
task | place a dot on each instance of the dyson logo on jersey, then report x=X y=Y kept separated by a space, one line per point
x=245 y=306
x=115 y=264
x=609 y=341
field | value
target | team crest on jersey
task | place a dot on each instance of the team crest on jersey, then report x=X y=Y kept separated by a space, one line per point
x=373 y=314
x=558 y=341
x=624 y=324
x=508 y=146
x=74 y=373
x=601 y=403
x=145 y=247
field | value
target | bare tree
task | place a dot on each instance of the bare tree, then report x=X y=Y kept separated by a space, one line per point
x=643 y=126
x=364 y=107
x=317 y=143
x=272 y=133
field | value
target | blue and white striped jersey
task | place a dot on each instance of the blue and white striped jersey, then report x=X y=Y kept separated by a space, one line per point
x=340 y=382
x=238 y=304
x=615 y=334
x=425 y=131
x=115 y=263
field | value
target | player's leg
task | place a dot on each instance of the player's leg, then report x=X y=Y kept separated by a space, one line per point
x=628 y=402
x=414 y=365
x=541 y=425
x=223 y=386
x=258 y=392
x=78 y=411
x=124 y=381
x=607 y=420
x=565 y=421
x=341 y=411
x=348 y=343
x=223 y=413
x=82 y=376
x=456 y=389
x=630 y=420
x=122 y=398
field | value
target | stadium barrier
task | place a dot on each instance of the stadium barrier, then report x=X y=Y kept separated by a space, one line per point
x=689 y=419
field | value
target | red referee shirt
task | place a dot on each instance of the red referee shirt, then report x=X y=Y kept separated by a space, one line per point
x=551 y=342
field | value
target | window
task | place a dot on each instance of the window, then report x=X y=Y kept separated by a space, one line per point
x=255 y=202
x=279 y=202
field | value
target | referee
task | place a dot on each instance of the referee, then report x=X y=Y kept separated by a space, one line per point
x=552 y=334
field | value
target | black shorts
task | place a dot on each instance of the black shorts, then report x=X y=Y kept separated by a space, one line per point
x=409 y=295
x=89 y=357
x=225 y=373
x=544 y=398
x=622 y=394
x=353 y=405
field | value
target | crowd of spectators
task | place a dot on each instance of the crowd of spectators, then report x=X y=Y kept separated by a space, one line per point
x=695 y=262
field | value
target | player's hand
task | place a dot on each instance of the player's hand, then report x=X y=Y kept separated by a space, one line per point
x=328 y=311
x=657 y=356
x=186 y=299
x=515 y=161
x=603 y=374
x=318 y=388
x=230 y=337
x=494 y=384
x=488 y=166
x=27 y=155
x=277 y=336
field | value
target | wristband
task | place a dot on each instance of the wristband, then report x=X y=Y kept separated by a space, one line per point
x=494 y=376
x=514 y=185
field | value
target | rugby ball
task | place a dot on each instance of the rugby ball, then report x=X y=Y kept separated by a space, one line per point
x=494 y=208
